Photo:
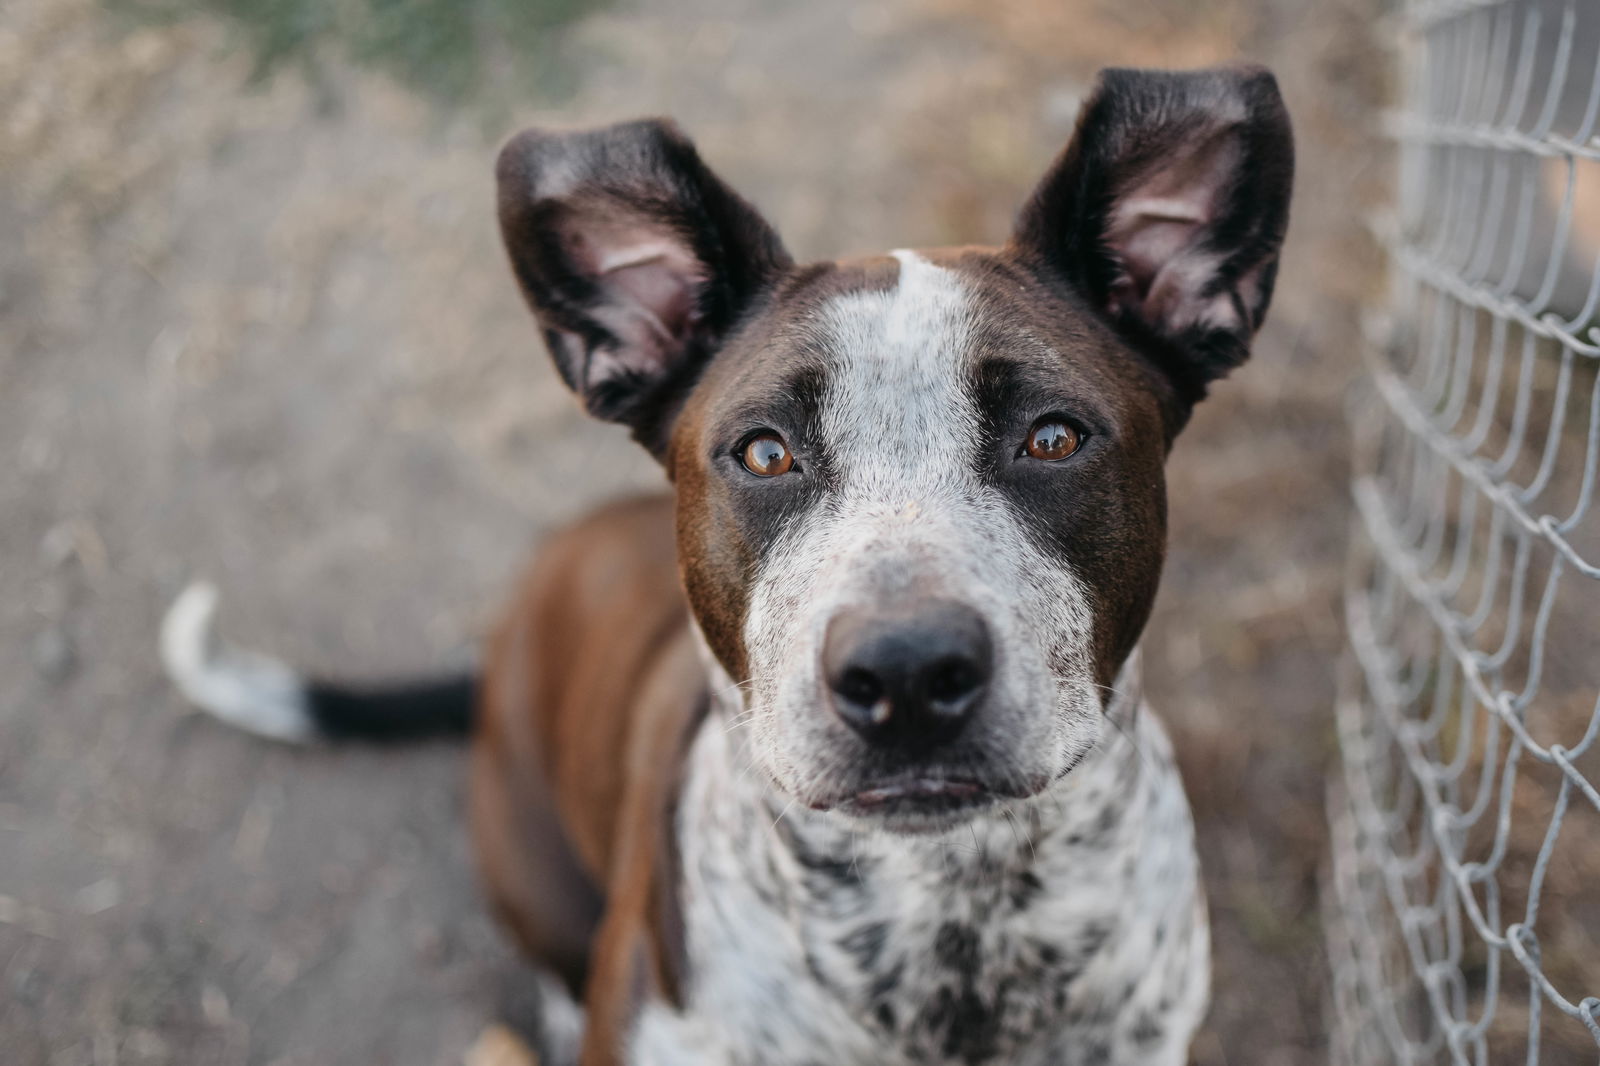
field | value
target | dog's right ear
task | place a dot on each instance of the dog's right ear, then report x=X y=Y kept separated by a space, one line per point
x=635 y=257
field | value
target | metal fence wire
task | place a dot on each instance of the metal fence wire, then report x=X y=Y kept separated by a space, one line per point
x=1464 y=894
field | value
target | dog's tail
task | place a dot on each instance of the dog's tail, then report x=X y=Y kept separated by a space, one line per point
x=267 y=697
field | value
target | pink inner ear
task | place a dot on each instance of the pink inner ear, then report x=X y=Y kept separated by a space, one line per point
x=659 y=283
x=1156 y=230
x=649 y=283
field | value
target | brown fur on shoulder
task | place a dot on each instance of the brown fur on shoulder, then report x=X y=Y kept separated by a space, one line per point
x=591 y=691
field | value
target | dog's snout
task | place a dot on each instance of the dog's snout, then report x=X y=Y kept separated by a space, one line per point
x=910 y=678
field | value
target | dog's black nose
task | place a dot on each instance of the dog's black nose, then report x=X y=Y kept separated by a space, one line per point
x=909 y=678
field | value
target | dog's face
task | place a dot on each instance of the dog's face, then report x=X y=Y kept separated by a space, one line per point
x=928 y=601
x=921 y=503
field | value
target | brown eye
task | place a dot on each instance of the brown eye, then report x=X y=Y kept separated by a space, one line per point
x=767 y=456
x=1052 y=440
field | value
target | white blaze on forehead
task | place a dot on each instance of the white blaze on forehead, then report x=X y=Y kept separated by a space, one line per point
x=898 y=412
x=901 y=429
x=906 y=517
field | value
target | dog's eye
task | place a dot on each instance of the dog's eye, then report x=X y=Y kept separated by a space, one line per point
x=766 y=455
x=1052 y=439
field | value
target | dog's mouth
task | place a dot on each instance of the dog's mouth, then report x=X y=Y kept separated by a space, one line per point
x=918 y=803
x=921 y=792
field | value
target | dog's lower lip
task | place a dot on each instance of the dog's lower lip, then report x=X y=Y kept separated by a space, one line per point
x=920 y=788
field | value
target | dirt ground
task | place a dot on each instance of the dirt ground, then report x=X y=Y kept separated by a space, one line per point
x=265 y=334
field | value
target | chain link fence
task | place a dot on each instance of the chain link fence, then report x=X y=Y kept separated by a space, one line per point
x=1464 y=901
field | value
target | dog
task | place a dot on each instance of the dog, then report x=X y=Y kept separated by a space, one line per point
x=838 y=755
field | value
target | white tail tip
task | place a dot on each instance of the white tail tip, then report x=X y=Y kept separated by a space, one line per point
x=253 y=692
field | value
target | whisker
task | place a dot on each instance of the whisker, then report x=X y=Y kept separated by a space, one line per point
x=783 y=812
x=736 y=686
x=1016 y=826
x=1132 y=741
x=1091 y=684
x=740 y=720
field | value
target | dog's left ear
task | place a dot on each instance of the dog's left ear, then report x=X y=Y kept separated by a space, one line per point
x=1167 y=212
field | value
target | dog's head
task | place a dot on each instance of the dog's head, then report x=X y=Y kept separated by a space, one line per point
x=921 y=504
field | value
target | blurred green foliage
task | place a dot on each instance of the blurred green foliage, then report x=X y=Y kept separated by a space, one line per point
x=449 y=50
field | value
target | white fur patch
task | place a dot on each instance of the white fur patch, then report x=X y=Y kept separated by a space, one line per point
x=813 y=941
x=253 y=692
x=908 y=516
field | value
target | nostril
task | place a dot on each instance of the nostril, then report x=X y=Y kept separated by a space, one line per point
x=952 y=679
x=860 y=686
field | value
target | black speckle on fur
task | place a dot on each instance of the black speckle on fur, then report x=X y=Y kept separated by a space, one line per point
x=865 y=944
x=1097 y=1012
x=956 y=947
x=831 y=871
x=1025 y=888
x=766 y=887
x=1093 y=938
x=1105 y=825
x=886 y=984
x=1066 y=974
x=1147 y=1030
x=967 y=1026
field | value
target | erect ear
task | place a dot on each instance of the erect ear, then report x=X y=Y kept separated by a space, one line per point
x=635 y=258
x=1167 y=211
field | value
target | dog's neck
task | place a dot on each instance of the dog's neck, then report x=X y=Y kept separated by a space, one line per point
x=816 y=939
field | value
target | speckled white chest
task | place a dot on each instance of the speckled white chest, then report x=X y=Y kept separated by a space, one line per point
x=1066 y=929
